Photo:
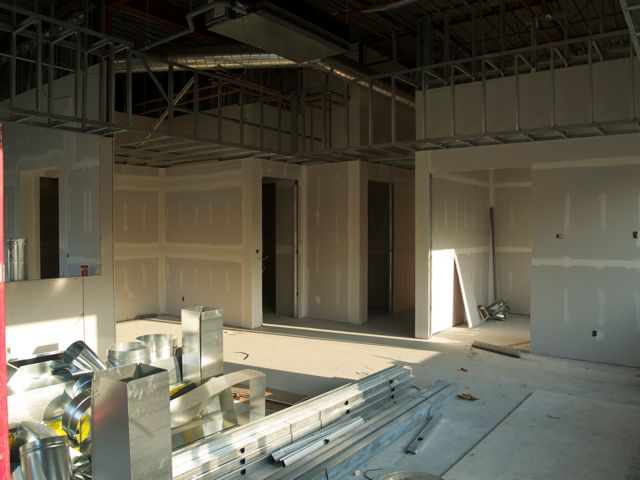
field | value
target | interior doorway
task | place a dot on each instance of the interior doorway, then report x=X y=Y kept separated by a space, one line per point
x=380 y=247
x=279 y=247
x=49 y=228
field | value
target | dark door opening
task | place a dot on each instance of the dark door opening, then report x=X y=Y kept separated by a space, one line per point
x=269 y=247
x=49 y=228
x=279 y=247
x=380 y=242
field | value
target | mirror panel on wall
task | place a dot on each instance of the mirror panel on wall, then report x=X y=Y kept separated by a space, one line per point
x=52 y=200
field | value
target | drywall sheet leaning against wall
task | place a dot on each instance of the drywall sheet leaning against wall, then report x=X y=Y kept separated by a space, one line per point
x=460 y=235
x=586 y=267
x=513 y=217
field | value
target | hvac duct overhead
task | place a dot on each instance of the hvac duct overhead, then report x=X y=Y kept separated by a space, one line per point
x=289 y=29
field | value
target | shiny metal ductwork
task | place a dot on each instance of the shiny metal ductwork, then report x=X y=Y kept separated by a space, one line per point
x=288 y=28
x=204 y=61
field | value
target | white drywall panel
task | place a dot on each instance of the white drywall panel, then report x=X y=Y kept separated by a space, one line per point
x=138 y=247
x=613 y=149
x=611 y=92
x=205 y=282
x=328 y=242
x=56 y=312
x=423 y=259
x=513 y=217
x=212 y=217
x=460 y=229
x=585 y=299
x=75 y=159
x=137 y=283
x=137 y=214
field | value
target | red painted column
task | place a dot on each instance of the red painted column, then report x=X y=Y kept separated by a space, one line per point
x=4 y=425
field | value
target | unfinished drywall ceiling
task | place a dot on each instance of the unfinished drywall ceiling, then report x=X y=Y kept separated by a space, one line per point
x=511 y=192
x=460 y=245
x=586 y=299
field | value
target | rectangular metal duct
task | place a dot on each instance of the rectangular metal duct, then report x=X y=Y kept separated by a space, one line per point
x=201 y=344
x=288 y=29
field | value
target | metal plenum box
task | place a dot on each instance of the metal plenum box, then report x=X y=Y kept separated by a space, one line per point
x=201 y=344
x=130 y=424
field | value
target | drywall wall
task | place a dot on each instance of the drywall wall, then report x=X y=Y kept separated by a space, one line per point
x=586 y=274
x=511 y=195
x=50 y=314
x=613 y=99
x=138 y=241
x=587 y=154
x=460 y=245
x=335 y=242
x=205 y=237
x=75 y=161
x=333 y=262
x=192 y=236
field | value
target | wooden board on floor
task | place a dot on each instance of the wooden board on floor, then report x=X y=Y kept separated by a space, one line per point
x=557 y=436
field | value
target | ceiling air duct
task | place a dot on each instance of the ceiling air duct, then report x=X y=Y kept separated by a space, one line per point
x=289 y=28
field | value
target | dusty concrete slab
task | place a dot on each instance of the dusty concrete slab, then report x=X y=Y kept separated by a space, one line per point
x=311 y=356
x=557 y=436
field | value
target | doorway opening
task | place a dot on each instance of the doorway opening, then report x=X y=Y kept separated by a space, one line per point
x=380 y=248
x=481 y=227
x=49 y=228
x=279 y=247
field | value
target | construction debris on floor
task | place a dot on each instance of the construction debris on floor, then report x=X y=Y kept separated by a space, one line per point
x=501 y=349
x=155 y=412
x=498 y=310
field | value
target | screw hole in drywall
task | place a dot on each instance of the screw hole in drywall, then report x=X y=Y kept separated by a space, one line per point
x=594 y=333
x=635 y=235
x=559 y=236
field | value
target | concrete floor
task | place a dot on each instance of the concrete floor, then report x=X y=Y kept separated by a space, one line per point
x=313 y=356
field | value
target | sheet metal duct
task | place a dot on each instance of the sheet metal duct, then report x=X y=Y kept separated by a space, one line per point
x=204 y=61
x=288 y=28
